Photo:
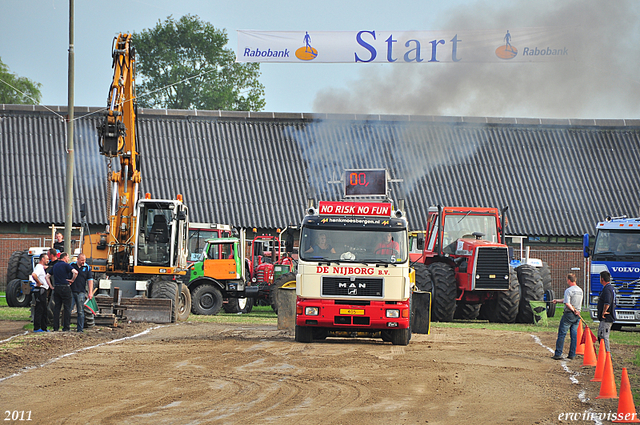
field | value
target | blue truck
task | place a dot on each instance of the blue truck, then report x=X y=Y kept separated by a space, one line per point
x=616 y=250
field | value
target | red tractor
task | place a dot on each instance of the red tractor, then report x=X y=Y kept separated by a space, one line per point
x=466 y=266
x=270 y=266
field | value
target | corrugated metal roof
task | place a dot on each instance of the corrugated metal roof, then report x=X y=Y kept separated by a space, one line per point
x=558 y=177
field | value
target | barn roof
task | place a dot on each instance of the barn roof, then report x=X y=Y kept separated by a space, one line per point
x=248 y=169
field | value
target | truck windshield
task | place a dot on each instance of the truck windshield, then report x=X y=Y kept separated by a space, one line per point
x=617 y=242
x=457 y=226
x=359 y=246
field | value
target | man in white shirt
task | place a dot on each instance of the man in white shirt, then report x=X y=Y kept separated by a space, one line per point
x=38 y=278
x=570 y=318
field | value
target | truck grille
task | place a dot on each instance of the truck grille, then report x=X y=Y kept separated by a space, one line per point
x=627 y=291
x=352 y=287
x=492 y=265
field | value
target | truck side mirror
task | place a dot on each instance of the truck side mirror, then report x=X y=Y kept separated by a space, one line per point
x=289 y=243
x=585 y=245
x=420 y=241
x=182 y=216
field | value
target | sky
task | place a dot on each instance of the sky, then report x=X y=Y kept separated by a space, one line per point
x=601 y=83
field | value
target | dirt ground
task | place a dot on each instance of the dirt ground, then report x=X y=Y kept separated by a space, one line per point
x=201 y=373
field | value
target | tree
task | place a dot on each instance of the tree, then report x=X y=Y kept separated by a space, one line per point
x=183 y=65
x=17 y=90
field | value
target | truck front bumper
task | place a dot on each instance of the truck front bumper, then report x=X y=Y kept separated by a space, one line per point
x=375 y=315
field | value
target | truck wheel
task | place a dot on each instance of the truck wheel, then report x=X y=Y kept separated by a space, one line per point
x=466 y=311
x=401 y=336
x=443 y=292
x=551 y=307
x=13 y=291
x=287 y=280
x=206 y=299
x=168 y=290
x=184 y=303
x=12 y=266
x=530 y=290
x=505 y=309
x=545 y=274
x=304 y=334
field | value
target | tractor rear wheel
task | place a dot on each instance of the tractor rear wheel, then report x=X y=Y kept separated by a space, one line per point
x=466 y=311
x=12 y=266
x=168 y=290
x=25 y=267
x=545 y=275
x=444 y=289
x=530 y=290
x=505 y=309
x=206 y=300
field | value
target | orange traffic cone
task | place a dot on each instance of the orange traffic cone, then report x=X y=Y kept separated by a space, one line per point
x=608 y=385
x=589 y=358
x=580 y=347
x=626 y=409
x=602 y=359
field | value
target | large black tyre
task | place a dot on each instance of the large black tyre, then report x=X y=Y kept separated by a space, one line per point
x=401 y=336
x=12 y=265
x=13 y=291
x=184 y=303
x=545 y=275
x=25 y=266
x=206 y=299
x=530 y=290
x=444 y=291
x=304 y=334
x=238 y=305
x=166 y=289
x=505 y=307
x=466 y=311
x=287 y=280
x=549 y=295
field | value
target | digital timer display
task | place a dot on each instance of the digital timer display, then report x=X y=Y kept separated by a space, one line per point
x=365 y=183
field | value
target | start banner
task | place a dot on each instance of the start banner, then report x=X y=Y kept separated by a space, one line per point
x=517 y=45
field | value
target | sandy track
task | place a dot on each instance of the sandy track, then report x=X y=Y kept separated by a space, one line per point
x=213 y=373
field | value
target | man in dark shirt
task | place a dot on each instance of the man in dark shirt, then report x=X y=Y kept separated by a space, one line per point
x=63 y=276
x=79 y=287
x=606 y=308
x=59 y=243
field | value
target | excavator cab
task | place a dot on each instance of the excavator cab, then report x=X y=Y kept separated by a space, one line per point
x=161 y=226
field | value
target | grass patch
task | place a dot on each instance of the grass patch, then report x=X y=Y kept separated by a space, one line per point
x=14 y=313
x=3 y=299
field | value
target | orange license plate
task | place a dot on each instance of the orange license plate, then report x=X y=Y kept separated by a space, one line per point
x=352 y=311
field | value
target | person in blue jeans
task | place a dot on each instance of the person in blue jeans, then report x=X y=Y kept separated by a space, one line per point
x=570 y=318
x=79 y=287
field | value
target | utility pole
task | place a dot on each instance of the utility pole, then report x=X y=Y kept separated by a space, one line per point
x=68 y=224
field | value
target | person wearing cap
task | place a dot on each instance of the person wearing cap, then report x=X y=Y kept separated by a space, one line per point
x=40 y=290
x=570 y=318
x=63 y=277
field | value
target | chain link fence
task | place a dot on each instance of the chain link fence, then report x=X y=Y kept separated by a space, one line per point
x=562 y=262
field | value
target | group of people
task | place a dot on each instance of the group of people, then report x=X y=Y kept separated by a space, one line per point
x=571 y=316
x=66 y=282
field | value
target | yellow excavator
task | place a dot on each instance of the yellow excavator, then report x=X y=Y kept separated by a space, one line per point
x=141 y=257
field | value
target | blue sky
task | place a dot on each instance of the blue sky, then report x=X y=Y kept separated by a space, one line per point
x=36 y=43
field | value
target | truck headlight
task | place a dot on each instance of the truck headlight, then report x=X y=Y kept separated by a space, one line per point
x=311 y=311
x=393 y=313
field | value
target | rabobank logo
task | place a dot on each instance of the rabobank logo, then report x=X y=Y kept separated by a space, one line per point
x=306 y=52
x=506 y=51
